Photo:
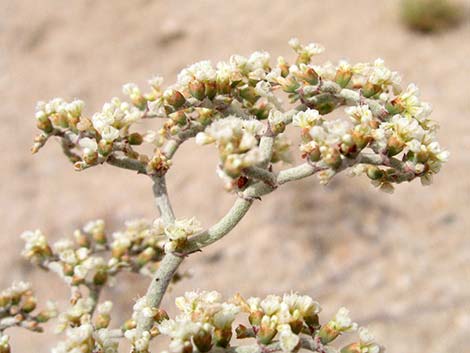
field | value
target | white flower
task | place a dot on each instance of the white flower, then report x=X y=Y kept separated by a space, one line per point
x=109 y=133
x=306 y=119
x=105 y=307
x=202 y=71
x=156 y=81
x=288 y=341
x=225 y=317
x=343 y=322
x=270 y=304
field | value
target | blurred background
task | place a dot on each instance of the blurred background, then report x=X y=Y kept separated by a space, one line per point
x=400 y=263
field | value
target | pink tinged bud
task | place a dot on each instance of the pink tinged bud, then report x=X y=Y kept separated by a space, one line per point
x=369 y=90
x=203 y=341
x=243 y=332
x=266 y=334
x=179 y=118
x=328 y=333
x=105 y=147
x=394 y=146
x=197 y=89
x=175 y=99
x=352 y=348
x=255 y=318
x=45 y=124
x=343 y=77
x=210 y=89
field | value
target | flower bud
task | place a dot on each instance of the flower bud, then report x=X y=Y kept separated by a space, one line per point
x=375 y=173
x=160 y=315
x=328 y=333
x=174 y=98
x=211 y=89
x=255 y=318
x=243 y=332
x=222 y=336
x=249 y=94
x=45 y=124
x=369 y=90
x=296 y=326
x=129 y=325
x=394 y=146
x=197 y=89
x=101 y=276
x=102 y=321
x=203 y=341
x=343 y=76
x=29 y=304
x=266 y=334
x=312 y=321
x=135 y=139
x=105 y=147
x=179 y=117
x=352 y=348
x=309 y=75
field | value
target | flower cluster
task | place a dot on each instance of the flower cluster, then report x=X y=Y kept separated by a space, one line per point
x=18 y=308
x=234 y=104
x=284 y=323
x=93 y=258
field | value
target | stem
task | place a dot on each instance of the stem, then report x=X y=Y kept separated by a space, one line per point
x=170 y=262
x=221 y=228
x=162 y=200
x=126 y=163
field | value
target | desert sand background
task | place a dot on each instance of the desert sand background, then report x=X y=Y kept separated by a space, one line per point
x=400 y=263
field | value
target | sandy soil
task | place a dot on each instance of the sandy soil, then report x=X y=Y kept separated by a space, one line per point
x=401 y=263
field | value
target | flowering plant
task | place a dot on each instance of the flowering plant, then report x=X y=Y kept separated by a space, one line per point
x=385 y=134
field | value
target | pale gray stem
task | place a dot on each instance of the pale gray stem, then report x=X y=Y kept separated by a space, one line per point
x=170 y=262
x=126 y=163
x=221 y=228
x=162 y=200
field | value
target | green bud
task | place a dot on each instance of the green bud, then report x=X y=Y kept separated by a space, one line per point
x=255 y=318
x=369 y=90
x=29 y=304
x=175 y=99
x=135 y=139
x=343 y=77
x=352 y=348
x=310 y=76
x=197 y=89
x=105 y=147
x=266 y=334
x=325 y=103
x=223 y=336
x=101 y=276
x=328 y=333
x=394 y=146
x=312 y=321
x=375 y=173
x=211 y=89
x=249 y=94
x=179 y=117
x=45 y=124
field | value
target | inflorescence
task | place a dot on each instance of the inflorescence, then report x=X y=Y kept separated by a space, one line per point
x=243 y=107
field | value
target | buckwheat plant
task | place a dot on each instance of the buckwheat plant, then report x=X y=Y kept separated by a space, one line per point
x=239 y=107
